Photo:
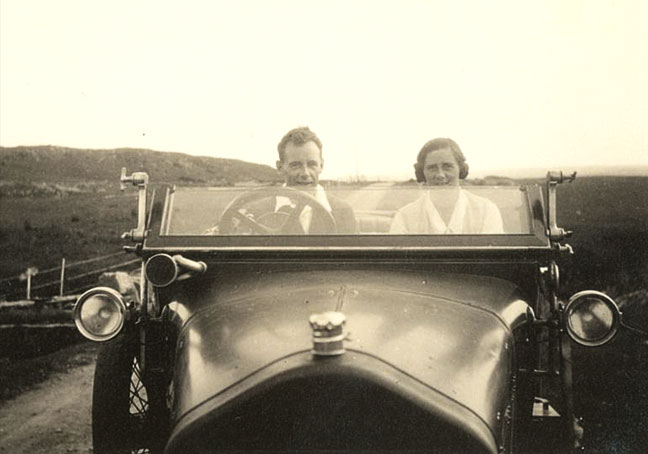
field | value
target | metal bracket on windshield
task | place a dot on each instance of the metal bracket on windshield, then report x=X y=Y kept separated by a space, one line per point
x=554 y=178
x=139 y=179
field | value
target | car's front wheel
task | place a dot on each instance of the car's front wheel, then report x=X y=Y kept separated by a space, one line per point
x=128 y=414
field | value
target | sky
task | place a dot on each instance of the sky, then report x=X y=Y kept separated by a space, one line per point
x=515 y=83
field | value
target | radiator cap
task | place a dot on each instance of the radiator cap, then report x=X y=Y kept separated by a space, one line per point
x=328 y=333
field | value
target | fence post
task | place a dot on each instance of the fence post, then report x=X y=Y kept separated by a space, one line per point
x=62 y=276
x=27 y=275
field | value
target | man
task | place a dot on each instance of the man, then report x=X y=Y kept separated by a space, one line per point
x=300 y=164
x=447 y=209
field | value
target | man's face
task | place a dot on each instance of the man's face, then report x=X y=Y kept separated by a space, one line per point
x=441 y=168
x=302 y=165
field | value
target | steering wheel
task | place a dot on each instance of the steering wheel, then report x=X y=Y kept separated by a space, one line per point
x=272 y=223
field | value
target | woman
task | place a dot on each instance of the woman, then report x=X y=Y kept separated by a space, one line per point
x=447 y=209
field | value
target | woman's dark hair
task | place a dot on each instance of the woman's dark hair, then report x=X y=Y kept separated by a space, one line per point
x=439 y=144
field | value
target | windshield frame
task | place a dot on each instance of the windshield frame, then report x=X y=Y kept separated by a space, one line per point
x=537 y=239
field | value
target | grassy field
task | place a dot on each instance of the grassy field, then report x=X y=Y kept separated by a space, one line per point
x=39 y=231
x=609 y=216
x=19 y=376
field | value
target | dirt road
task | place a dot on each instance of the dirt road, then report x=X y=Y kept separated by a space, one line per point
x=54 y=417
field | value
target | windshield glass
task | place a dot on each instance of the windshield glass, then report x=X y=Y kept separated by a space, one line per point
x=374 y=209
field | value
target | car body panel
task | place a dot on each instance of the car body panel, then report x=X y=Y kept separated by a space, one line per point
x=449 y=333
x=350 y=403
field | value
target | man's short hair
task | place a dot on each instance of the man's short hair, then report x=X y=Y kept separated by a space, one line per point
x=439 y=144
x=298 y=136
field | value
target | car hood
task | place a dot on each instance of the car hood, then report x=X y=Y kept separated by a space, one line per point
x=439 y=339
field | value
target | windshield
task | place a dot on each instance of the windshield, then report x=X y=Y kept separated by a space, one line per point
x=374 y=209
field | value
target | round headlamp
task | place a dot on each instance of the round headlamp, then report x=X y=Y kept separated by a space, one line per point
x=592 y=318
x=100 y=313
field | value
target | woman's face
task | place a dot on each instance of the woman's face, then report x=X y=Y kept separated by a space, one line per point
x=441 y=168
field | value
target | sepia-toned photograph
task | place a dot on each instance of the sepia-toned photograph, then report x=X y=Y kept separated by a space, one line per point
x=313 y=226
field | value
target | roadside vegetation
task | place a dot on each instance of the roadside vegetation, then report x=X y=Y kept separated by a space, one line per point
x=30 y=316
x=40 y=231
x=17 y=377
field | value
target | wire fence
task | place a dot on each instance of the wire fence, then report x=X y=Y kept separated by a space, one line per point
x=68 y=278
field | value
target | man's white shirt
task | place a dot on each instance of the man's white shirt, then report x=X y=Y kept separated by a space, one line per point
x=306 y=216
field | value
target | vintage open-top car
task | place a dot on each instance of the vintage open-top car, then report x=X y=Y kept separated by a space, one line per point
x=244 y=334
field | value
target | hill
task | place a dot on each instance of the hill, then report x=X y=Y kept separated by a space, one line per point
x=64 y=202
x=58 y=165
